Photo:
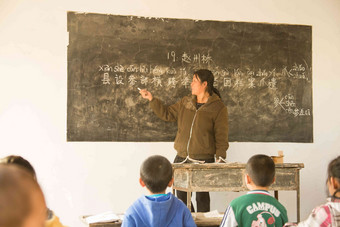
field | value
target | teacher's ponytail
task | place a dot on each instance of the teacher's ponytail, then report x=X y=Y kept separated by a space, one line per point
x=216 y=92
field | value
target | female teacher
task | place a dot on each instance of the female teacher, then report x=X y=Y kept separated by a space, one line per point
x=202 y=121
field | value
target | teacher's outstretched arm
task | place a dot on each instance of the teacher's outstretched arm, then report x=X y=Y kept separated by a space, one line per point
x=164 y=112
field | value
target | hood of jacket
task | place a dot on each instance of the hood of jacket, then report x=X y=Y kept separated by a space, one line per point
x=156 y=213
x=191 y=101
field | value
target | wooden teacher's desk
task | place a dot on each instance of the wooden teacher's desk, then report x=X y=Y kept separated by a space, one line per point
x=229 y=177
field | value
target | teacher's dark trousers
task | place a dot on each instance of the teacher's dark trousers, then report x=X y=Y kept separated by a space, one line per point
x=202 y=198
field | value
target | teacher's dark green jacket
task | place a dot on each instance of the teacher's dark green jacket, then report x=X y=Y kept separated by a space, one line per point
x=202 y=133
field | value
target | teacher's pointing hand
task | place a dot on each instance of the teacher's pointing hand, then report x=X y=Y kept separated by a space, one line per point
x=145 y=94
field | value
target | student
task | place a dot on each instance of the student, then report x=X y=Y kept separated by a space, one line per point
x=257 y=207
x=22 y=203
x=202 y=121
x=51 y=219
x=157 y=209
x=329 y=213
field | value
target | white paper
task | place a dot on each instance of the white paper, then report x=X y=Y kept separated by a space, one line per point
x=213 y=214
x=108 y=216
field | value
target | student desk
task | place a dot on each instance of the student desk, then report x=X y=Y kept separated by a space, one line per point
x=106 y=224
x=229 y=177
x=199 y=219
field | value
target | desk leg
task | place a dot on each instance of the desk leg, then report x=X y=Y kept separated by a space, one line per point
x=276 y=194
x=189 y=200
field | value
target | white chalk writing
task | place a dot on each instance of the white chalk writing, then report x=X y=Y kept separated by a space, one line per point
x=172 y=82
x=106 y=78
x=288 y=104
x=156 y=80
x=228 y=78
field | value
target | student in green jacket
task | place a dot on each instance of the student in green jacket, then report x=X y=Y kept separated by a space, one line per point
x=257 y=207
x=202 y=121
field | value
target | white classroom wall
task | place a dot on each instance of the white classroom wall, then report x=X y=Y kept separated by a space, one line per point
x=81 y=178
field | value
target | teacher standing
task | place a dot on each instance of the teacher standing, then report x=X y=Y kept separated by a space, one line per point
x=202 y=121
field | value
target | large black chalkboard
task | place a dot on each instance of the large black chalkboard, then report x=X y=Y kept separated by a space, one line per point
x=263 y=72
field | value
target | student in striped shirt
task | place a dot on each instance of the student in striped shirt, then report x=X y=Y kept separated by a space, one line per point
x=256 y=208
x=327 y=214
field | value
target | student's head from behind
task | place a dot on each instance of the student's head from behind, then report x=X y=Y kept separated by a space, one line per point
x=22 y=202
x=20 y=161
x=333 y=178
x=156 y=174
x=260 y=171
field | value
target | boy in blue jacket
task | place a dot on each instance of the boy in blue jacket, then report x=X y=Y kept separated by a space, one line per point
x=157 y=208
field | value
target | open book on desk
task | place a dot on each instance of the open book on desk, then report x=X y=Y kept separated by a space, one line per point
x=105 y=217
x=212 y=218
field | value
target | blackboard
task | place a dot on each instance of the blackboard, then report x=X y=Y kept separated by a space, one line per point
x=262 y=70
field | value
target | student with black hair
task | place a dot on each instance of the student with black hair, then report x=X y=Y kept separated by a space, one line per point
x=157 y=209
x=327 y=214
x=202 y=122
x=257 y=207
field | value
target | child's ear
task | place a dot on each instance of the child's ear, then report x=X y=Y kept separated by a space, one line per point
x=247 y=178
x=274 y=180
x=141 y=182
x=334 y=183
x=171 y=182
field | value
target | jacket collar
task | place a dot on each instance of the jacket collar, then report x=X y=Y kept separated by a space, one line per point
x=211 y=99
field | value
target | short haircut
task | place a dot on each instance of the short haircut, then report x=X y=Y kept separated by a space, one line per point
x=17 y=190
x=20 y=161
x=261 y=169
x=156 y=173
